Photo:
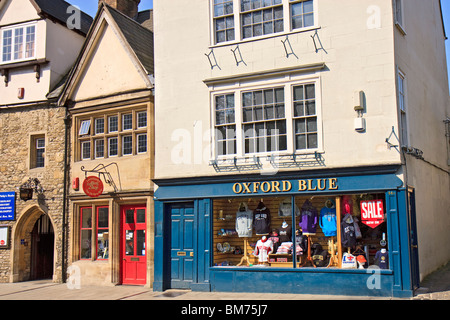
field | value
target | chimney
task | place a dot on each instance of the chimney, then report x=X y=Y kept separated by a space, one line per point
x=127 y=7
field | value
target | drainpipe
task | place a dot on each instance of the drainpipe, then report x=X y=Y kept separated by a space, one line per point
x=65 y=206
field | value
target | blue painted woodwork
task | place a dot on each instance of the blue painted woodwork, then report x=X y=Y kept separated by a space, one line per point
x=200 y=192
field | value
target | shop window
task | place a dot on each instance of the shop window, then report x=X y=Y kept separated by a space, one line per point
x=262 y=230
x=94 y=228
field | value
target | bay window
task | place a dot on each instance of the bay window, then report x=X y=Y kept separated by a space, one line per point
x=113 y=135
x=18 y=43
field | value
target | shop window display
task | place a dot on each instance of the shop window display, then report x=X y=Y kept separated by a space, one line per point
x=258 y=232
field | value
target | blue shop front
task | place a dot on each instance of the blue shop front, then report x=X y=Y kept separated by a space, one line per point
x=338 y=232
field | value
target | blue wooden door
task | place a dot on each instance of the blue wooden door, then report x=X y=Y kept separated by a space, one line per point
x=182 y=253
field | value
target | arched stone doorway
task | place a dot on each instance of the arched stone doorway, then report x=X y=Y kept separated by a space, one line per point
x=42 y=247
x=33 y=246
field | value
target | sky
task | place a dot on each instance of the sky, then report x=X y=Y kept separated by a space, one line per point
x=90 y=6
x=446 y=13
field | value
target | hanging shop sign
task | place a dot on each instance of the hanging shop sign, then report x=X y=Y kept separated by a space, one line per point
x=93 y=187
x=7 y=206
x=372 y=213
x=286 y=186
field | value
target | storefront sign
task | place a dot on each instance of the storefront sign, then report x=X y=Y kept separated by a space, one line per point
x=93 y=187
x=372 y=213
x=7 y=206
x=286 y=186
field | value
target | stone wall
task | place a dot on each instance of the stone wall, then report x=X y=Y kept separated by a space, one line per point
x=17 y=127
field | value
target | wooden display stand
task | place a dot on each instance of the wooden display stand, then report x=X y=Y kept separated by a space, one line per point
x=334 y=261
x=245 y=258
x=308 y=257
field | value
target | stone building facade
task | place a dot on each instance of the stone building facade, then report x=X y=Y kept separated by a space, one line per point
x=38 y=49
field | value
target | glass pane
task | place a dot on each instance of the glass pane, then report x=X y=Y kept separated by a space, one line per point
x=140 y=216
x=310 y=108
x=103 y=214
x=85 y=244
x=221 y=148
x=309 y=20
x=282 y=143
x=308 y=6
x=298 y=93
x=102 y=244
x=127 y=122
x=298 y=109
x=300 y=126
x=258 y=114
x=310 y=92
x=129 y=243
x=129 y=216
x=248 y=114
x=86 y=218
x=297 y=22
x=312 y=141
x=300 y=142
x=279 y=95
x=268 y=96
x=247 y=99
x=312 y=124
x=279 y=111
x=140 y=242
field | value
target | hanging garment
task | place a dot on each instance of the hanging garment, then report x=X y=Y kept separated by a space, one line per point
x=244 y=221
x=348 y=232
x=285 y=209
x=285 y=233
x=308 y=218
x=328 y=221
x=261 y=219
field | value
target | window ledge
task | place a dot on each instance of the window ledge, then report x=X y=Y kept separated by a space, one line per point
x=22 y=64
x=264 y=37
x=400 y=28
x=266 y=73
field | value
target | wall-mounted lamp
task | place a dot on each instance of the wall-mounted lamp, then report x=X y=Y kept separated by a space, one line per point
x=360 y=103
x=26 y=189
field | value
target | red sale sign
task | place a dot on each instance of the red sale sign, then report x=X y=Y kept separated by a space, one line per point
x=372 y=213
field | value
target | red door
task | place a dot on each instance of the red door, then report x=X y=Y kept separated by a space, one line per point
x=133 y=245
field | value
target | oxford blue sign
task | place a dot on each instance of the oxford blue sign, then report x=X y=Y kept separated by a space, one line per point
x=7 y=206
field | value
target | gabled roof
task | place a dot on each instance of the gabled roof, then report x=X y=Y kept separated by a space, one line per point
x=138 y=42
x=139 y=38
x=56 y=10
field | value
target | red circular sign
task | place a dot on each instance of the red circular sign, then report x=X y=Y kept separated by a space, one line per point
x=93 y=187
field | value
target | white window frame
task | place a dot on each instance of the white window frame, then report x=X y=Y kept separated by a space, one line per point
x=238 y=32
x=137 y=143
x=13 y=42
x=402 y=107
x=288 y=85
x=398 y=6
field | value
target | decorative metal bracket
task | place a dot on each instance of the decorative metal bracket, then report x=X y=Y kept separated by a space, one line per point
x=296 y=160
x=212 y=59
x=390 y=145
x=26 y=189
x=238 y=55
x=288 y=48
x=102 y=172
x=318 y=45
x=236 y=164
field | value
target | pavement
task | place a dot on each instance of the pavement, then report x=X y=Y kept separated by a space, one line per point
x=434 y=287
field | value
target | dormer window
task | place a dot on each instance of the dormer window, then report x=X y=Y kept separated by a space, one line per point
x=18 y=43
